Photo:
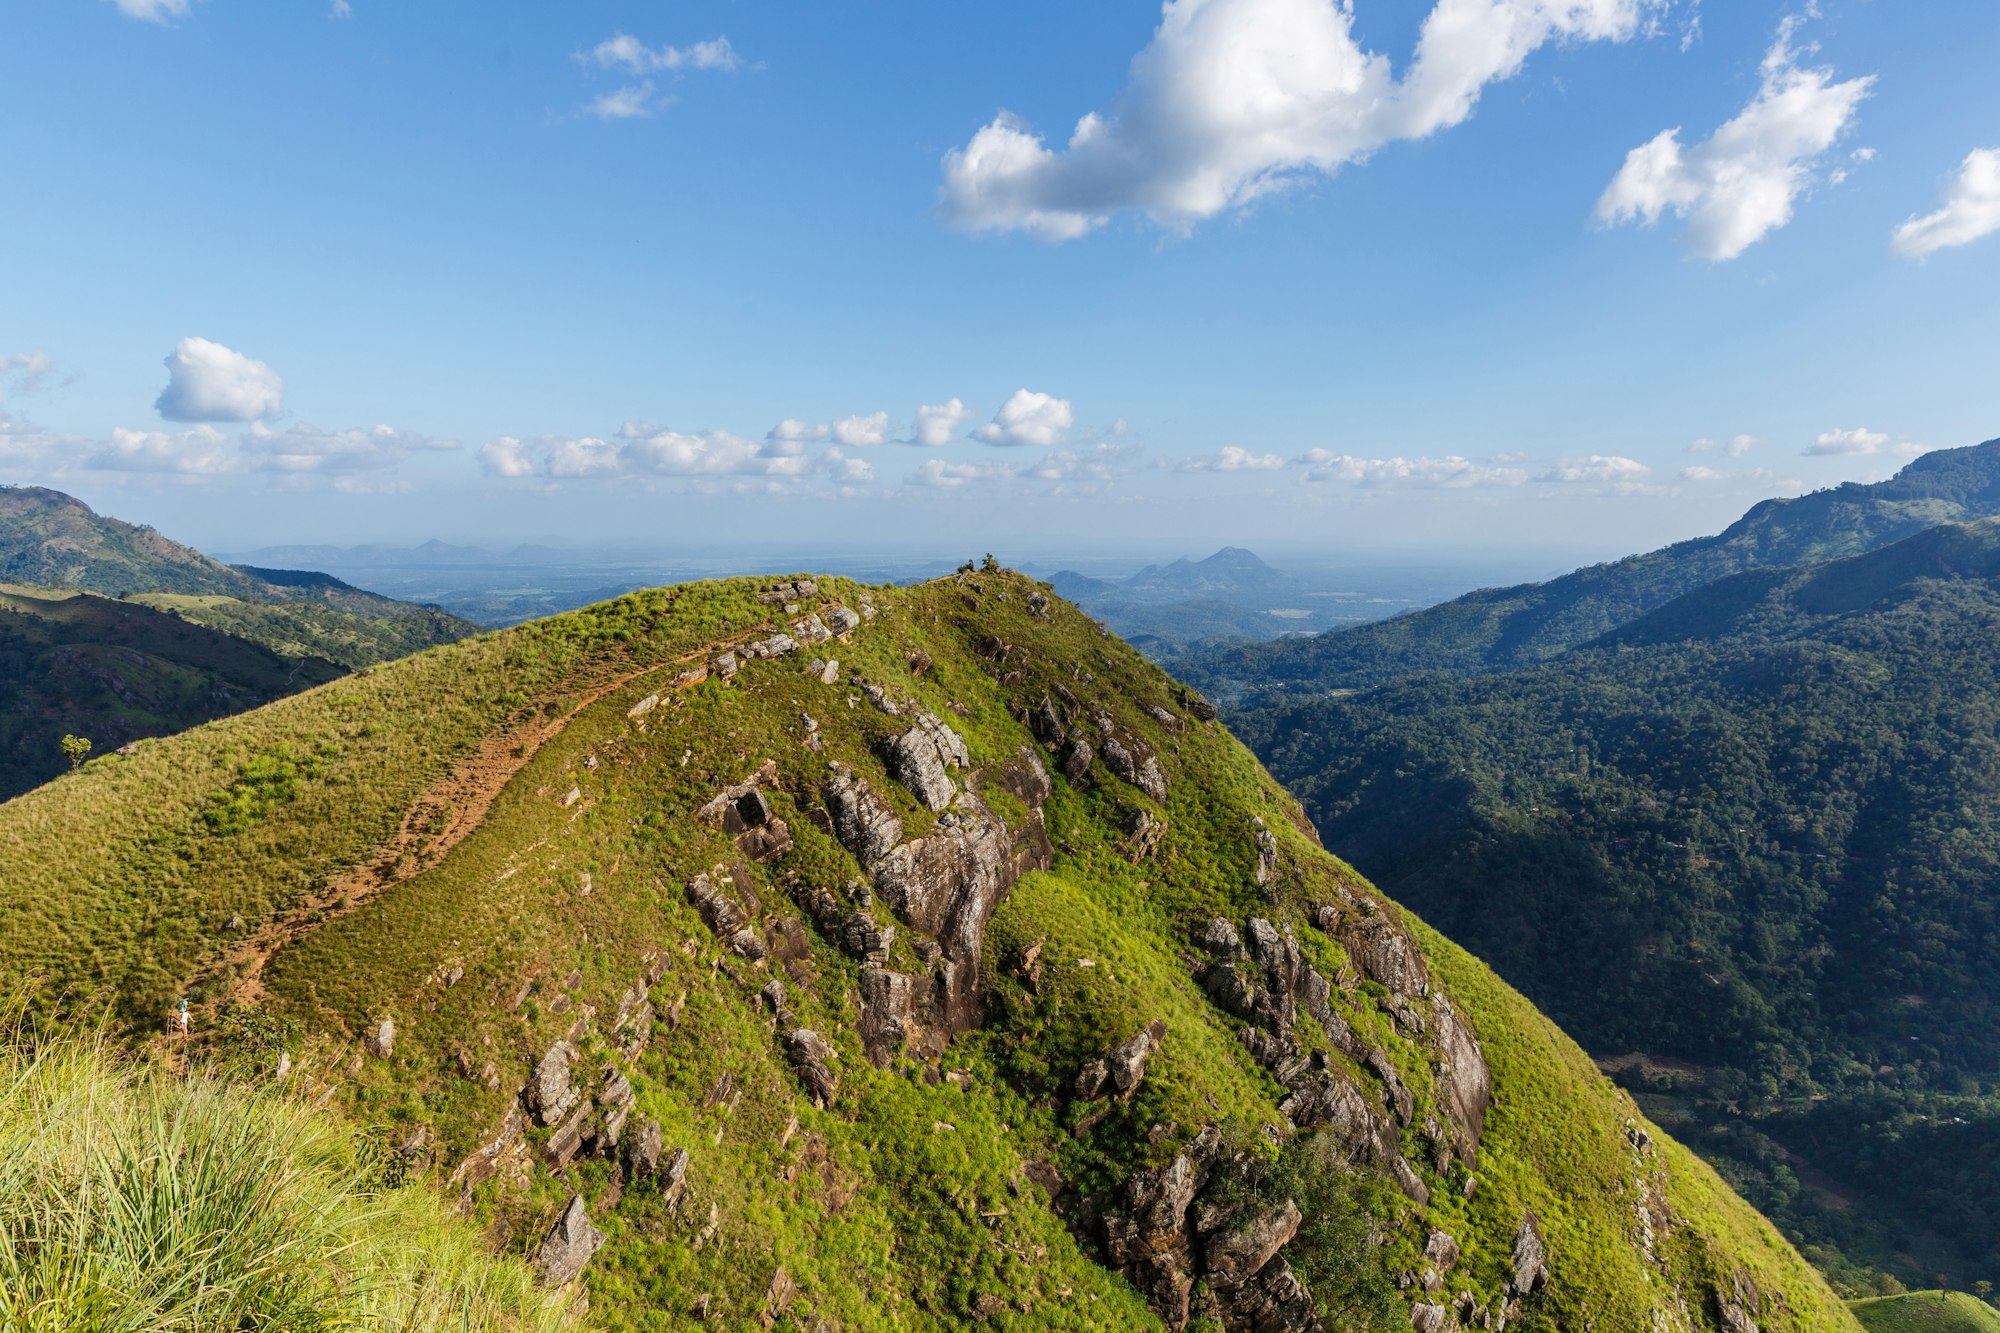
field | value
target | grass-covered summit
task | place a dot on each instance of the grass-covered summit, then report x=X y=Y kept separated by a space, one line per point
x=816 y=955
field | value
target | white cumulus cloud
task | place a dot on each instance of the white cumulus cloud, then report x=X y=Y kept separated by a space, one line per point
x=1235 y=98
x=937 y=424
x=1859 y=440
x=304 y=448
x=1028 y=418
x=936 y=474
x=1741 y=183
x=1597 y=470
x=627 y=52
x=1971 y=209
x=1735 y=447
x=1701 y=473
x=1448 y=473
x=1233 y=458
x=208 y=382
x=642 y=450
x=622 y=103
x=198 y=451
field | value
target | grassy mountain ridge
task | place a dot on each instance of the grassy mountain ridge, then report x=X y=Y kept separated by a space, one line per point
x=1744 y=847
x=1500 y=629
x=54 y=540
x=418 y=884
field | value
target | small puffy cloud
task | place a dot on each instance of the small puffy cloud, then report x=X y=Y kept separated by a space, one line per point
x=208 y=382
x=936 y=474
x=857 y=431
x=1597 y=470
x=622 y=103
x=506 y=457
x=199 y=451
x=848 y=472
x=643 y=450
x=1701 y=473
x=25 y=373
x=937 y=424
x=1971 y=209
x=1835 y=443
x=792 y=429
x=1233 y=458
x=153 y=11
x=1741 y=183
x=304 y=448
x=1028 y=418
x=1860 y=441
x=627 y=52
x=1735 y=447
x=1448 y=473
x=1234 y=99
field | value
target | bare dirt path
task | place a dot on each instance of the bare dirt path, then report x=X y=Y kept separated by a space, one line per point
x=442 y=817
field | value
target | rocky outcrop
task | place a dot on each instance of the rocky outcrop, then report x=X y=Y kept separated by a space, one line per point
x=1119 y=1072
x=862 y=820
x=1530 y=1260
x=946 y=885
x=1465 y=1083
x=550 y=1094
x=898 y=1013
x=920 y=757
x=812 y=1060
x=1135 y=763
x=381 y=1039
x=1158 y=1233
x=569 y=1245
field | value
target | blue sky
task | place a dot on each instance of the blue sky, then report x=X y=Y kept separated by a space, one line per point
x=1419 y=276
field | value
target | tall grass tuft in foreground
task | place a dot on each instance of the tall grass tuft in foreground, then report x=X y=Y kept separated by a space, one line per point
x=133 y=1201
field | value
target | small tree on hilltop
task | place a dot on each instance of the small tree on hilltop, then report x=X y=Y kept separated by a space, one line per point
x=1983 y=1290
x=76 y=749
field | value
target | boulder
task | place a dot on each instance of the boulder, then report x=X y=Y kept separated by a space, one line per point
x=1077 y=760
x=862 y=820
x=1091 y=1079
x=1128 y=1062
x=915 y=760
x=550 y=1092
x=642 y=1150
x=1429 y=1318
x=1531 y=1260
x=892 y=1016
x=1221 y=940
x=381 y=1039
x=812 y=1059
x=1239 y=1253
x=1136 y=764
x=811 y=629
x=1386 y=955
x=840 y=620
x=777 y=645
x=1464 y=1080
x=1267 y=851
x=1441 y=1251
x=569 y=1245
x=766 y=842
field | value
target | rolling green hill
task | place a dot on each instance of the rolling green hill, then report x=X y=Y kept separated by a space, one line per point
x=115 y=672
x=830 y=956
x=1747 y=849
x=1500 y=629
x=52 y=540
x=1928 y=1312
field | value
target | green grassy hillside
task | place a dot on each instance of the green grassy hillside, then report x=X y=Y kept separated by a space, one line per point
x=132 y=1201
x=1500 y=629
x=972 y=976
x=1746 y=849
x=54 y=540
x=1928 y=1312
x=116 y=671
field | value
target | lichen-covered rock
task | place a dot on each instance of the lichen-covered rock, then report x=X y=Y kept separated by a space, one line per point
x=812 y=1059
x=1220 y=939
x=1267 y=850
x=1127 y=1063
x=892 y=1016
x=915 y=760
x=1530 y=1260
x=811 y=629
x=642 y=1150
x=1463 y=1078
x=1077 y=760
x=841 y=620
x=1387 y=956
x=569 y=1245
x=777 y=645
x=550 y=1092
x=1136 y=764
x=381 y=1039
x=862 y=820
x=1441 y=1251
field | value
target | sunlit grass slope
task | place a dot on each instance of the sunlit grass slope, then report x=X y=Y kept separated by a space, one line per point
x=133 y=1201
x=305 y=871
x=1928 y=1312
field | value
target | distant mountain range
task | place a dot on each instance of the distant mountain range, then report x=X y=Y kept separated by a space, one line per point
x=1731 y=812
x=1502 y=628
x=115 y=632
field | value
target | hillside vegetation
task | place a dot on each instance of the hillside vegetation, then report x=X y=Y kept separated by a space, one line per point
x=54 y=540
x=1746 y=848
x=116 y=671
x=1500 y=629
x=1928 y=1312
x=134 y=1201
x=828 y=956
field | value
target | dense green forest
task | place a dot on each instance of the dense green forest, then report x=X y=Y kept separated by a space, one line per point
x=1746 y=848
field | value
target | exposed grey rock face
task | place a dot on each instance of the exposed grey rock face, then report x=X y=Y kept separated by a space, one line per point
x=1198 y=707
x=724 y=665
x=1429 y=1318
x=1077 y=760
x=719 y=910
x=569 y=1245
x=1174 y=725
x=485 y=1160
x=811 y=629
x=1024 y=777
x=812 y=1059
x=381 y=1039
x=946 y=885
x=841 y=620
x=1127 y=1063
x=642 y=1150
x=918 y=764
x=1239 y=1253
x=775 y=646
x=1463 y=1078
x=550 y=1093
x=894 y=1009
x=1137 y=764
x=1267 y=851
x=1221 y=940
x=673 y=1178
x=862 y=820
x=1408 y=1181
x=1531 y=1260
x=1386 y=955
x=1441 y=1251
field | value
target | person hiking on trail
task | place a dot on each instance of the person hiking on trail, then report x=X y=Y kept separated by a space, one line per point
x=181 y=1019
